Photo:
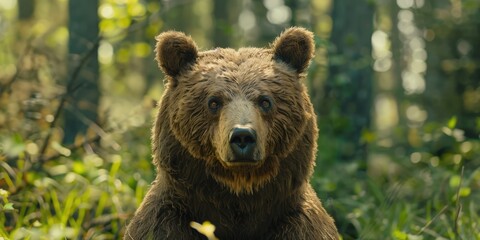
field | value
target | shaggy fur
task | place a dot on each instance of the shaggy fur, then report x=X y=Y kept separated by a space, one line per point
x=270 y=199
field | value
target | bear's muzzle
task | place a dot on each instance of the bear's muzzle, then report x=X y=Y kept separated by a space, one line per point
x=243 y=143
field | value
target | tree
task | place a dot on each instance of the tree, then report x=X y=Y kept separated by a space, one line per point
x=26 y=8
x=222 y=30
x=452 y=80
x=82 y=86
x=345 y=108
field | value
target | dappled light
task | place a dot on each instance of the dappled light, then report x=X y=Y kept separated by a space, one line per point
x=381 y=51
x=387 y=106
x=413 y=76
x=277 y=12
x=246 y=20
x=105 y=53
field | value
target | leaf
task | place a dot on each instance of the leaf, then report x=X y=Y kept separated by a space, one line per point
x=399 y=235
x=452 y=122
x=3 y=193
x=206 y=228
x=367 y=136
x=465 y=191
x=37 y=224
x=8 y=207
x=78 y=167
x=455 y=181
x=141 y=49
x=13 y=146
x=116 y=162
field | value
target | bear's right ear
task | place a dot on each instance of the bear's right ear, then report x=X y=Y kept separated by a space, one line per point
x=174 y=52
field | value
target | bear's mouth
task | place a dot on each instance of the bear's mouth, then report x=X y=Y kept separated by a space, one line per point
x=243 y=159
x=242 y=163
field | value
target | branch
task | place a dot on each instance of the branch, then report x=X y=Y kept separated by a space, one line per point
x=70 y=89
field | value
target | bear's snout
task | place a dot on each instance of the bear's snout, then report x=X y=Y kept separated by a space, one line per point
x=243 y=143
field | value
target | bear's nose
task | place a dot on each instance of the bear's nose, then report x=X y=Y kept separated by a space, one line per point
x=243 y=142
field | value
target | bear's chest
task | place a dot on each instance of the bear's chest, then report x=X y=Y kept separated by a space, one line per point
x=238 y=220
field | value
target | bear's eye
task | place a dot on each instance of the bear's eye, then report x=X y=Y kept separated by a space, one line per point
x=214 y=103
x=265 y=103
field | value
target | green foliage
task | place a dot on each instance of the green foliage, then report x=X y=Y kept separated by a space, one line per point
x=84 y=194
x=419 y=179
x=429 y=193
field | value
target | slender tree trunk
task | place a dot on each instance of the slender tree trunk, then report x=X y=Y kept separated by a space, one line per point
x=83 y=90
x=449 y=91
x=221 y=36
x=26 y=8
x=348 y=90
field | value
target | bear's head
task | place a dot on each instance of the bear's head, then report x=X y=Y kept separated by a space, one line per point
x=242 y=112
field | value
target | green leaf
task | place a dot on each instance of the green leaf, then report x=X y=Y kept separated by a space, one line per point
x=116 y=162
x=455 y=181
x=37 y=223
x=141 y=49
x=3 y=193
x=78 y=167
x=399 y=235
x=452 y=122
x=465 y=192
x=368 y=136
x=8 y=207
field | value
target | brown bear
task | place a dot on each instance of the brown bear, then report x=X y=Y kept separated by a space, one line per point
x=234 y=144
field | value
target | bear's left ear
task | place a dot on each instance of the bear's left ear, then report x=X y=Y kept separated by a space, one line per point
x=174 y=52
x=295 y=46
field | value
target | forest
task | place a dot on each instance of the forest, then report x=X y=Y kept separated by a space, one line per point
x=395 y=85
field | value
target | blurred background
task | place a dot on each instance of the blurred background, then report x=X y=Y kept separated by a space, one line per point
x=395 y=84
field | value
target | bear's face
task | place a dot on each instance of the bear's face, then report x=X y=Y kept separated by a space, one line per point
x=239 y=111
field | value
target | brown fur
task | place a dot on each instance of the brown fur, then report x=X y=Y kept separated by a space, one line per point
x=175 y=51
x=272 y=199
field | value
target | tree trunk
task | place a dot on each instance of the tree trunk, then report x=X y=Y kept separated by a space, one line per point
x=348 y=91
x=83 y=89
x=221 y=27
x=26 y=8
